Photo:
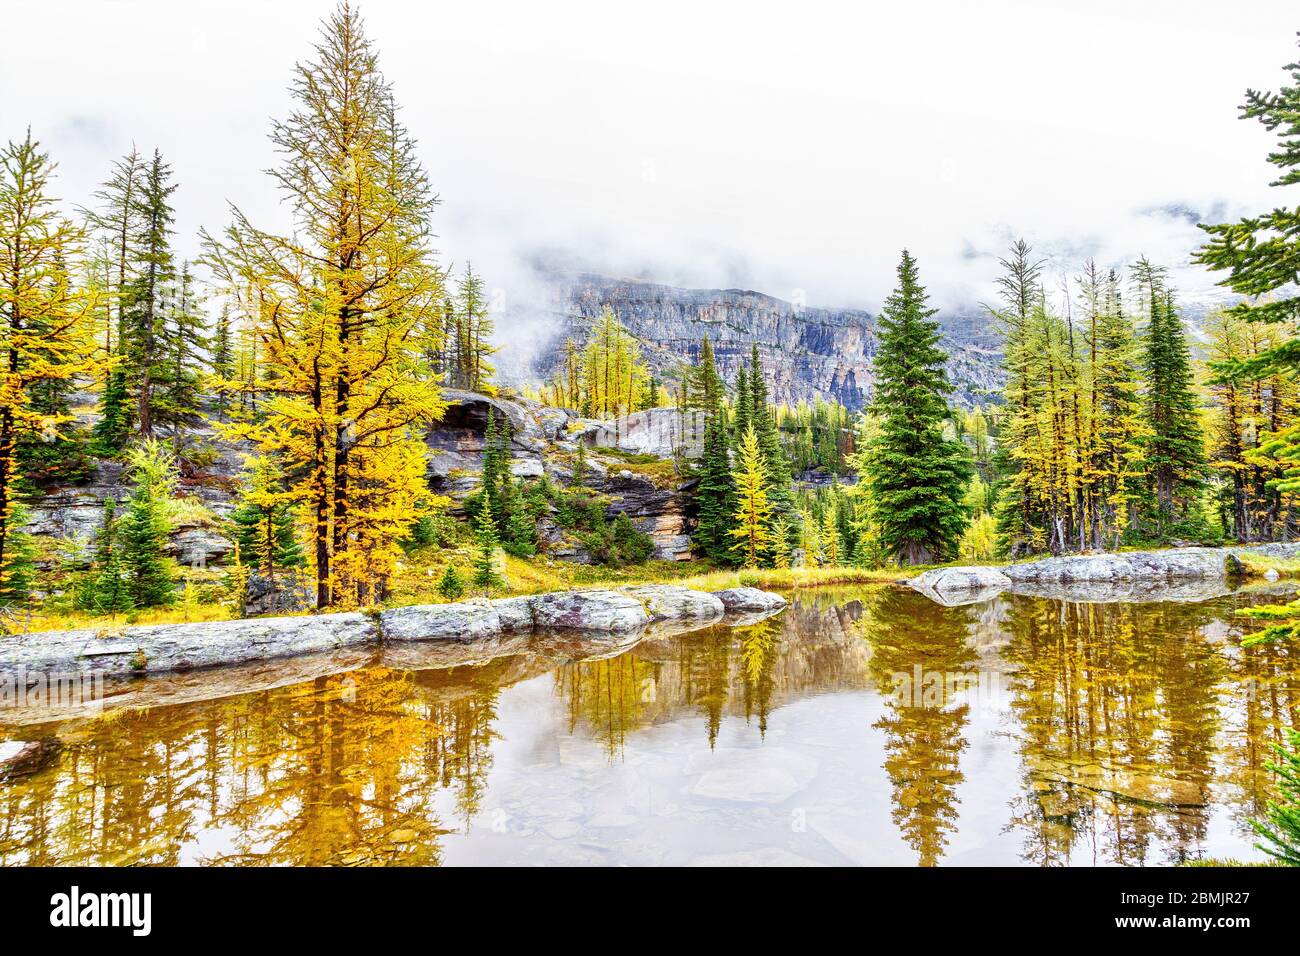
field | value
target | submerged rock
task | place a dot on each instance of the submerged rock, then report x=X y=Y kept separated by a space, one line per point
x=749 y=599
x=19 y=758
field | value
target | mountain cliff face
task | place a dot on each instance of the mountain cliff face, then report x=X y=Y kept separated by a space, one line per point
x=806 y=352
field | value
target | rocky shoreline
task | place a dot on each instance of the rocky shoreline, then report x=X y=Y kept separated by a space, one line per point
x=1148 y=572
x=596 y=615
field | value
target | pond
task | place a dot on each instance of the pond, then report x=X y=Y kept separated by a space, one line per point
x=868 y=726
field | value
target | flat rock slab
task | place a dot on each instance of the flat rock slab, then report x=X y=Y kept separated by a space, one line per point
x=1151 y=570
x=183 y=647
x=160 y=648
x=749 y=599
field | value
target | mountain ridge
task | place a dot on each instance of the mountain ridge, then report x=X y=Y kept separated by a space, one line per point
x=807 y=352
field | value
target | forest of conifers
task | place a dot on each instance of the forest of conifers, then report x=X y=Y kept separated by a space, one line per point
x=325 y=350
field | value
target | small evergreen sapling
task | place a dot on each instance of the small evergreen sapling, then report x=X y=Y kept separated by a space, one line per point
x=451 y=586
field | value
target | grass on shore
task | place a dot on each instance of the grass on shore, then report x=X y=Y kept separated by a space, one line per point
x=1257 y=565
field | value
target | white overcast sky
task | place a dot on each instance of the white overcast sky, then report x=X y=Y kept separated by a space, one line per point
x=773 y=146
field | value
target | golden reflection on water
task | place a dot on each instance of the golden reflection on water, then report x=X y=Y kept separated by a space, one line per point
x=1129 y=727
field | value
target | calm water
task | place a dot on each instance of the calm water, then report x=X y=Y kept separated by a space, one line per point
x=869 y=726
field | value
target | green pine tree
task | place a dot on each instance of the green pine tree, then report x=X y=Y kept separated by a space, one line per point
x=20 y=562
x=916 y=475
x=486 y=577
x=450 y=585
x=142 y=339
x=775 y=461
x=113 y=428
x=143 y=530
x=743 y=411
x=105 y=588
x=715 y=492
x=221 y=360
x=1173 y=448
x=1281 y=830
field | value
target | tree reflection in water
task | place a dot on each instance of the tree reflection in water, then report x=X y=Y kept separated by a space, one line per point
x=1126 y=732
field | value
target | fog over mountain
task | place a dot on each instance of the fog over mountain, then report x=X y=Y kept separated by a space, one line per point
x=710 y=146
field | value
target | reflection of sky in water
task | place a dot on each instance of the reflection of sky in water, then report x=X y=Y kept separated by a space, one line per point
x=1099 y=734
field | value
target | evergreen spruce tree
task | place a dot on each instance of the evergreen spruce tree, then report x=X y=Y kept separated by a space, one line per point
x=450 y=585
x=496 y=491
x=485 y=578
x=113 y=429
x=1281 y=830
x=1174 y=447
x=715 y=493
x=107 y=591
x=743 y=411
x=264 y=522
x=775 y=461
x=916 y=475
x=222 y=360
x=142 y=340
x=143 y=529
x=184 y=345
x=751 y=534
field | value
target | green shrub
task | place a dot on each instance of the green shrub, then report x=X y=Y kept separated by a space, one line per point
x=1281 y=829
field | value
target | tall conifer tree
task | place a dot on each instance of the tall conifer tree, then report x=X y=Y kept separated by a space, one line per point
x=916 y=474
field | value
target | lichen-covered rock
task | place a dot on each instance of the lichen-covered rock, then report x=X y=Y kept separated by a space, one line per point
x=749 y=599
x=670 y=602
x=473 y=620
x=160 y=648
x=515 y=614
x=609 y=611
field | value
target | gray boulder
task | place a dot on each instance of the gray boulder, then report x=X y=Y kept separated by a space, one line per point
x=960 y=582
x=670 y=602
x=749 y=599
x=515 y=614
x=609 y=611
x=473 y=620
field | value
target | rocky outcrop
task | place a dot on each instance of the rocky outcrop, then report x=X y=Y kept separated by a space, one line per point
x=749 y=599
x=662 y=432
x=285 y=594
x=471 y=620
x=666 y=602
x=544 y=442
x=1152 y=569
x=168 y=648
x=807 y=352
x=162 y=648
